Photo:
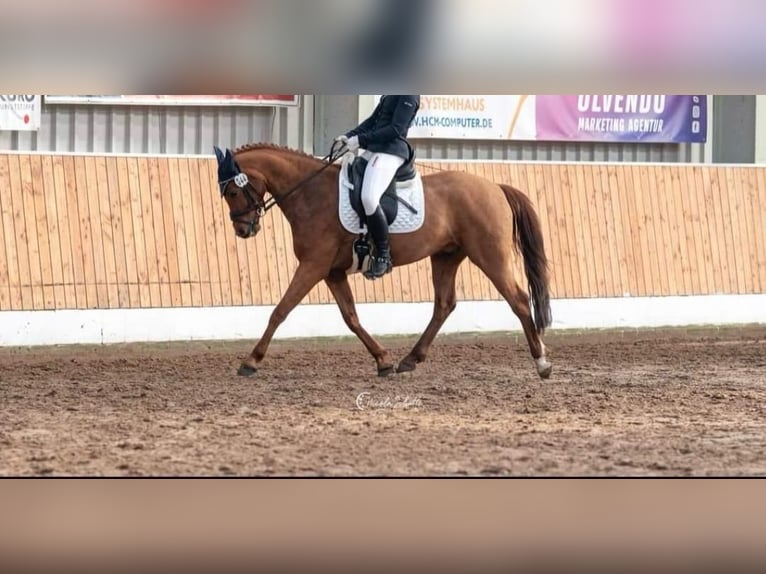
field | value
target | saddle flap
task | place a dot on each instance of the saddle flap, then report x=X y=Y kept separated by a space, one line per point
x=389 y=202
x=407 y=172
x=357 y=170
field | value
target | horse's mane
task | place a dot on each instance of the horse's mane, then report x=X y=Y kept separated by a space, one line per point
x=273 y=147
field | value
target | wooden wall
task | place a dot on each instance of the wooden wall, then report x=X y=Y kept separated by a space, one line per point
x=117 y=232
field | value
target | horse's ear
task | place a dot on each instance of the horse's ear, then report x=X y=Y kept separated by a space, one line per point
x=219 y=154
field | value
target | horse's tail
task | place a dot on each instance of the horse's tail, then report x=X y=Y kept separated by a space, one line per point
x=528 y=238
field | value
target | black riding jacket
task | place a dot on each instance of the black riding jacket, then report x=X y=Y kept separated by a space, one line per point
x=385 y=131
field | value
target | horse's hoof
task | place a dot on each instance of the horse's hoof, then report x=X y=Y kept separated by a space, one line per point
x=384 y=372
x=406 y=367
x=544 y=369
x=247 y=371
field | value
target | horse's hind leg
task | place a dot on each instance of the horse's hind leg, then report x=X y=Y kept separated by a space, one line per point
x=445 y=268
x=344 y=297
x=499 y=272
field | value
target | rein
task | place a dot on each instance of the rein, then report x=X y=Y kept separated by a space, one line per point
x=329 y=160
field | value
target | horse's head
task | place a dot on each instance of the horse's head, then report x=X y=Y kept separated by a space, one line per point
x=244 y=195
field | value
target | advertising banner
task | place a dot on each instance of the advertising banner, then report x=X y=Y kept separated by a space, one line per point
x=583 y=118
x=20 y=113
x=631 y=118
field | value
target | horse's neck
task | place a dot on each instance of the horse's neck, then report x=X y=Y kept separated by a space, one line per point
x=284 y=173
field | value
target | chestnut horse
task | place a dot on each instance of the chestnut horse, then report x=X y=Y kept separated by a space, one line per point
x=466 y=217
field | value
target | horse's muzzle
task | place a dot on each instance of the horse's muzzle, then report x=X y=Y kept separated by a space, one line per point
x=247 y=230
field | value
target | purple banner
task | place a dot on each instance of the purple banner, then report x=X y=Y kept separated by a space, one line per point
x=622 y=118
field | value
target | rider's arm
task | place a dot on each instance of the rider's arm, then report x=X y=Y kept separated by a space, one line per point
x=405 y=112
x=367 y=124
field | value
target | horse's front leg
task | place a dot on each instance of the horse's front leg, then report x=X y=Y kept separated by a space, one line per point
x=306 y=278
x=344 y=296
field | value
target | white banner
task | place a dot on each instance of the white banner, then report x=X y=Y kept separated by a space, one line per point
x=475 y=117
x=20 y=113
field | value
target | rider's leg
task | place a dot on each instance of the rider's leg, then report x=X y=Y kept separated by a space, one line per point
x=380 y=172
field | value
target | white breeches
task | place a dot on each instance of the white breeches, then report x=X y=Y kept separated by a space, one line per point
x=380 y=172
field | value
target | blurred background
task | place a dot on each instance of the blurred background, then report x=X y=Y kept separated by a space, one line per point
x=331 y=46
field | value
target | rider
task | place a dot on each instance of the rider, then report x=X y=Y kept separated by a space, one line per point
x=384 y=137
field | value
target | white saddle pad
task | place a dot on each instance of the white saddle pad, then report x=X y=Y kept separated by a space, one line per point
x=406 y=221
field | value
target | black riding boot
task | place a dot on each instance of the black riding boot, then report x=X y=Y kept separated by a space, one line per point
x=381 y=264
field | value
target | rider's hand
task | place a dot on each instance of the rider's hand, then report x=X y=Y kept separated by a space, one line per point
x=353 y=144
x=341 y=139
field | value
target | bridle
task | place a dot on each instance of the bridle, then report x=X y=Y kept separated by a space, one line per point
x=255 y=202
